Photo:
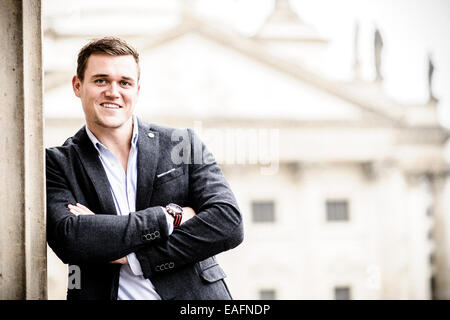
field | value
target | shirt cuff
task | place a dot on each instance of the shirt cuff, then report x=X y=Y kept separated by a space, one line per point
x=134 y=264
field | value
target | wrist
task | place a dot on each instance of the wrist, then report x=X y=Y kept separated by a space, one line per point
x=176 y=212
x=169 y=220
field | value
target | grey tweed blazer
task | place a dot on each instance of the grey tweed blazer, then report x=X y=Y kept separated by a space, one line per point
x=182 y=265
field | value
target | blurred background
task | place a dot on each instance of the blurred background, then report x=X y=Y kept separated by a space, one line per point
x=329 y=118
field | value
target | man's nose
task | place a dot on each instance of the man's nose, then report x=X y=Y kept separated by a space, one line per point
x=112 y=90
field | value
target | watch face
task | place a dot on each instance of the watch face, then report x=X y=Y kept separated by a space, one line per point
x=175 y=208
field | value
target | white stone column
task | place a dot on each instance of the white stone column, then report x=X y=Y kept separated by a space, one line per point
x=441 y=236
x=23 y=270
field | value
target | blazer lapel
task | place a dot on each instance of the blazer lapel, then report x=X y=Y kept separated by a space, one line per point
x=94 y=168
x=148 y=152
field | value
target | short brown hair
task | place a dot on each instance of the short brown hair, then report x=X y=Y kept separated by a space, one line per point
x=108 y=45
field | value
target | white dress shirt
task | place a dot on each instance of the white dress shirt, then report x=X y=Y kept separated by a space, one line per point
x=132 y=284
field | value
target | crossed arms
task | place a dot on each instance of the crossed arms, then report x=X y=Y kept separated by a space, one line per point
x=103 y=238
x=79 y=209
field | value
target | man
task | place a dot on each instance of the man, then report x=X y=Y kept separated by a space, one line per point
x=139 y=223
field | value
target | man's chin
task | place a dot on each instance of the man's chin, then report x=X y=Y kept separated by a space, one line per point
x=110 y=124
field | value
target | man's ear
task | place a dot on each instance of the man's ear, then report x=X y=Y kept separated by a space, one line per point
x=76 y=86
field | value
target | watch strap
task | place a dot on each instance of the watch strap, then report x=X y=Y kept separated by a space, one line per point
x=177 y=216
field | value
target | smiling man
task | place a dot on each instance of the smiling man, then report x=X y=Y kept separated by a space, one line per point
x=138 y=225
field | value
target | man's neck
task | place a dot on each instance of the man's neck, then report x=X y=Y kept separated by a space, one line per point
x=117 y=140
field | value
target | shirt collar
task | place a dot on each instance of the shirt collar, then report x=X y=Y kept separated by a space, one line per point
x=135 y=135
x=97 y=144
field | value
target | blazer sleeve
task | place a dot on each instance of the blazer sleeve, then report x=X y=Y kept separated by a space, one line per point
x=217 y=226
x=94 y=238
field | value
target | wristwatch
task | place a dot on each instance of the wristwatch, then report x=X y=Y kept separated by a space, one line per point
x=176 y=212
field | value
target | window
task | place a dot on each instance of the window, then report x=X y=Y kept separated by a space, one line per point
x=342 y=293
x=263 y=211
x=267 y=294
x=337 y=210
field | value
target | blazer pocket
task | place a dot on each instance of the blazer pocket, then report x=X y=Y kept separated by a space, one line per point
x=169 y=175
x=212 y=274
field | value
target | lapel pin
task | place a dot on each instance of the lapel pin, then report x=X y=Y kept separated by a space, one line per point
x=151 y=135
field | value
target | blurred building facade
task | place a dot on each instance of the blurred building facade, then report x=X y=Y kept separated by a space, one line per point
x=341 y=188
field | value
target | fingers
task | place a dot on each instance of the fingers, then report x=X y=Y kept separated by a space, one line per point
x=188 y=213
x=86 y=209
x=74 y=210
x=79 y=209
x=123 y=260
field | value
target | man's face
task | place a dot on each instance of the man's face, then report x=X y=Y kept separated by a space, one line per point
x=109 y=90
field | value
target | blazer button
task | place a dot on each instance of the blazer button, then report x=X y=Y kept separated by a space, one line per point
x=147 y=237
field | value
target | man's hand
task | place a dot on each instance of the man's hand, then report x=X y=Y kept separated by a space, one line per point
x=78 y=210
x=123 y=260
x=188 y=213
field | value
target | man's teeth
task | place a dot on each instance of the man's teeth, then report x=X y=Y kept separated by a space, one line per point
x=109 y=105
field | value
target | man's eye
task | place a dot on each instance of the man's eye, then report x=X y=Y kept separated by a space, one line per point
x=125 y=83
x=100 y=81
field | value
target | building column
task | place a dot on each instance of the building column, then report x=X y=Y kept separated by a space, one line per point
x=439 y=182
x=23 y=264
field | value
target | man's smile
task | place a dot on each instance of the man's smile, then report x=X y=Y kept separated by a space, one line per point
x=109 y=105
